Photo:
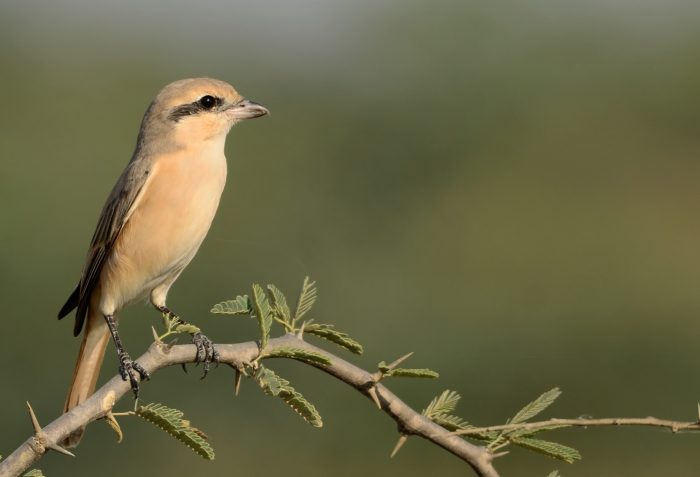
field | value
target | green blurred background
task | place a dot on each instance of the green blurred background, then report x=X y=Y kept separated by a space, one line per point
x=509 y=189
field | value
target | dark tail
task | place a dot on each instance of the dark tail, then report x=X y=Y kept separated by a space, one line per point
x=71 y=303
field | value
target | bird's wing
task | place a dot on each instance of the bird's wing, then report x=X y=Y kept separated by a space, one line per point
x=115 y=213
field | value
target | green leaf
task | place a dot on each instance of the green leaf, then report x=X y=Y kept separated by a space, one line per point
x=301 y=406
x=279 y=302
x=307 y=298
x=263 y=312
x=170 y=420
x=412 y=373
x=299 y=354
x=270 y=382
x=33 y=473
x=439 y=410
x=536 y=406
x=552 y=449
x=554 y=473
x=442 y=404
x=275 y=385
x=169 y=320
x=328 y=332
x=530 y=432
x=187 y=328
x=451 y=423
x=240 y=306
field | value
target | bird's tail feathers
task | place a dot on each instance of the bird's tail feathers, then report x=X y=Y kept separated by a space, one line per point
x=87 y=368
x=70 y=304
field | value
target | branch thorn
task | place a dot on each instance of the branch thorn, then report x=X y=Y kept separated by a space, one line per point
x=60 y=450
x=156 y=338
x=399 y=444
x=300 y=332
x=385 y=369
x=237 y=381
x=35 y=421
x=400 y=360
x=372 y=391
x=41 y=436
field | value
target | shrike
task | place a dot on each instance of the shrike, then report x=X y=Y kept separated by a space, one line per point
x=154 y=221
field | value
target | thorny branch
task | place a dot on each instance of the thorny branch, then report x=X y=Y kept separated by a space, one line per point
x=409 y=421
x=157 y=357
x=673 y=426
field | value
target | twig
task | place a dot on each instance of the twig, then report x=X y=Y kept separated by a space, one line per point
x=673 y=426
x=158 y=356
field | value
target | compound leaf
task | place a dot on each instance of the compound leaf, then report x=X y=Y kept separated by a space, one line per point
x=537 y=406
x=279 y=302
x=307 y=298
x=240 y=306
x=171 y=421
x=299 y=354
x=442 y=404
x=275 y=385
x=412 y=373
x=552 y=449
x=328 y=332
x=263 y=312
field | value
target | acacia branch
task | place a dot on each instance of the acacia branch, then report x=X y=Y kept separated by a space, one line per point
x=673 y=426
x=157 y=357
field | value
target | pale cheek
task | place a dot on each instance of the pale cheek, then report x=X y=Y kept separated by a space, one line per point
x=201 y=129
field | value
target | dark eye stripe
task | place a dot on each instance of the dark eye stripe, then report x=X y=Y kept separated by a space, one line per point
x=189 y=109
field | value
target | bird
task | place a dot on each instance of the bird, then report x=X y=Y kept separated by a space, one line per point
x=153 y=223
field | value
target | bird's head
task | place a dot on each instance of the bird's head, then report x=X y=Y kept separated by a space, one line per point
x=199 y=109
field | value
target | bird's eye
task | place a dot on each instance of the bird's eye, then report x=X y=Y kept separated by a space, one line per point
x=207 y=101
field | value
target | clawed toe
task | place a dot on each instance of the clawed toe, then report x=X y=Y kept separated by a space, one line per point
x=145 y=375
x=130 y=371
x=206 y=352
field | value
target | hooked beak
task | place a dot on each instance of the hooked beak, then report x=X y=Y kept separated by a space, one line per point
x=246 y=109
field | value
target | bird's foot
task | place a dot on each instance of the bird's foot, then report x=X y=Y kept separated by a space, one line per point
x=206 y=352
x=130 y=370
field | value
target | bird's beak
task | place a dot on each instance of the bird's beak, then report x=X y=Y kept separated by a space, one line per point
x=246 y=109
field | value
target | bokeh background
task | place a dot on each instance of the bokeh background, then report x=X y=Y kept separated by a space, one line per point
x=509 y=189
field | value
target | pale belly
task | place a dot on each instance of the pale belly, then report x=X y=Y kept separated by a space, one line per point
x=165 y=230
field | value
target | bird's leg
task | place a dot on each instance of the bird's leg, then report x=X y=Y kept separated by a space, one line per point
x=206 y=351
x=128 y=369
